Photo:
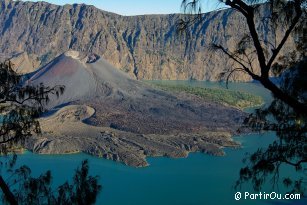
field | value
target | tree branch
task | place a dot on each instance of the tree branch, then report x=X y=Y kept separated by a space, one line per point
x=286 y=36
x=7 y=192
x=231 y=73
x=296 y=164
x=254 y=76
x=248 y=12
x=234 y=4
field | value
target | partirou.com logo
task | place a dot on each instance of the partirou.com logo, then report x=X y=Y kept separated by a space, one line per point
x=266 y=196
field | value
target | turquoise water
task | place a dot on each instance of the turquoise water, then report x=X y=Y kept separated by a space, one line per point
x=197 y=180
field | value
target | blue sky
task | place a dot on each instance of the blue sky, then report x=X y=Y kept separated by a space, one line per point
x=138 y=7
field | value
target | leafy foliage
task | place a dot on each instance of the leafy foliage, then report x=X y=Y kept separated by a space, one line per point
x=255 y=55
x=291 y=129
x=31 y=190
x=20 y=106
x=236 y=99
x=259 y=58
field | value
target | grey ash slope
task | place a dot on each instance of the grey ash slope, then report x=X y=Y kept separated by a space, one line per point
x=128 y=104
x=83 y=80
x=145 y=46
x=126 y=120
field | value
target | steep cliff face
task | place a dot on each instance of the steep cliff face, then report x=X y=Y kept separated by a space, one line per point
x=147 y=47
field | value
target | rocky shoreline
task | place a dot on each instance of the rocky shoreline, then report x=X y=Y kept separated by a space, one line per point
x=65 y=132
x=108 y=114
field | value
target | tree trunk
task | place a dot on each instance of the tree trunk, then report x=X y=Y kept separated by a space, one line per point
x=7 y=192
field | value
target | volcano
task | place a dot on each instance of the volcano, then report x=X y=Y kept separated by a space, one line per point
x=142 y=117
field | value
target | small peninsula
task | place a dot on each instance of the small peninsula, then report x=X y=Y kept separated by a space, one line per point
x=108 y=114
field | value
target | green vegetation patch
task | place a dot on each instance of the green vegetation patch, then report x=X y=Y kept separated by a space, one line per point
x=238 y=99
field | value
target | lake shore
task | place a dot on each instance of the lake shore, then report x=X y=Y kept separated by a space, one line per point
x=65 y=133
x=71 y=130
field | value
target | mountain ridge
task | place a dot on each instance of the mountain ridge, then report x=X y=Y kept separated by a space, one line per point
x=146 y=46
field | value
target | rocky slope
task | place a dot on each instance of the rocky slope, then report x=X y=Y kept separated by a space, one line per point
x=147 y=47
x=128 y=104
x=65 y=132
x=105 y=112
